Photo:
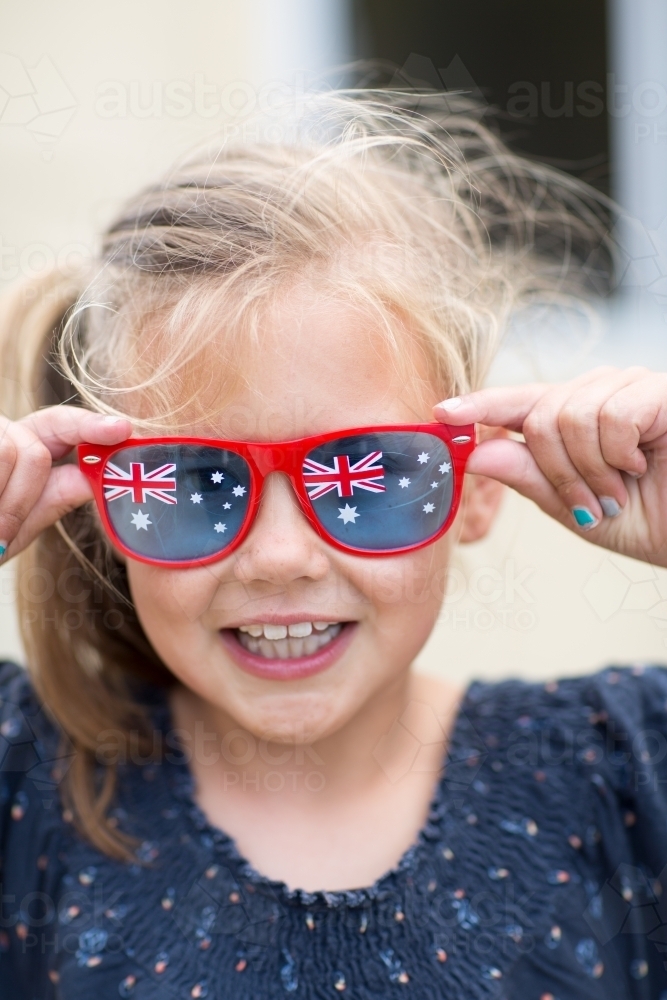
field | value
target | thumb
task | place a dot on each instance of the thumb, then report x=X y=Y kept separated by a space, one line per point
x=511 y=462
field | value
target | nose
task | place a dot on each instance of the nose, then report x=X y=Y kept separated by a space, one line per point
x=281 y=546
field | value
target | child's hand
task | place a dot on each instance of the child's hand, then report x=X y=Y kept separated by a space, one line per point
x=34 y=494
x=595 y=456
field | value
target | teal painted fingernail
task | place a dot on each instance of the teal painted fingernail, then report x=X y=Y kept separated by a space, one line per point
x=3 y=548
x=610 y=506
x=584 y=518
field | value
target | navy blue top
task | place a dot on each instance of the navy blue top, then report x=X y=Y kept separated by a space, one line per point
x=537 y=875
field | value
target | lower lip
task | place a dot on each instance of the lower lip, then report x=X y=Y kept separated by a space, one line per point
x=275 y=669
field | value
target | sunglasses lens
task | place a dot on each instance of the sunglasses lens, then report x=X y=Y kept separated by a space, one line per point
x=176 y=502
x=381 y=491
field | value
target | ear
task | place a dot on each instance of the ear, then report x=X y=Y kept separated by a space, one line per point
x=481 y=496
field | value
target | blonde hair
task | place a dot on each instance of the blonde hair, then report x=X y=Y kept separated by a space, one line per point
x=407 y=205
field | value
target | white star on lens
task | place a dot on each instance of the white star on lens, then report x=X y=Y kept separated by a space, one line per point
x=404 y=482
x=429 y=508
x=238 y=491
x=195 y=497
x=445 y=467
x=140 y=520
x=226 y=506
x=219 y=527
x=424 y=457
x=217 y=477
x=434 y=485
x=348 y=513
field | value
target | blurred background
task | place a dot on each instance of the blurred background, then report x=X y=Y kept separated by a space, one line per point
x=97 y=100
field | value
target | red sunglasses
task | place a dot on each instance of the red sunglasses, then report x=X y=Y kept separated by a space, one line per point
x=182 y=502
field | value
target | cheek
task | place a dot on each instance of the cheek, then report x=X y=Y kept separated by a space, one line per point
x=405 y=592
x=170 y=603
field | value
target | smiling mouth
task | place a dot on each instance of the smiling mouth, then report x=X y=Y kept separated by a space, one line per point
x=287 y=642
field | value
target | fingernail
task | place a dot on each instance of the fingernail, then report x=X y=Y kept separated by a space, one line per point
x=451 y=404
x=3 y=548
x=610 y=506
x=584 y=518
x=111 y=421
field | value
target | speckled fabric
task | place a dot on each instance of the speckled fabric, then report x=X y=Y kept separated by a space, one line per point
x=537 y=875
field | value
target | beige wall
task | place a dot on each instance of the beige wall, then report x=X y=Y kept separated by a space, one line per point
x=81 y=126
x=98 y=99
x=536 y=600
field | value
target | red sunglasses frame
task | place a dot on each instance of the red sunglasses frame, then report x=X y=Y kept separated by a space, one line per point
x=284 y=456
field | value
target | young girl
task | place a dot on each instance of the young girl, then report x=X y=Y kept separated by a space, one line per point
x=220 y=775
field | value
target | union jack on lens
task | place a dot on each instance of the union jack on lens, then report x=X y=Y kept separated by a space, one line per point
x=364 y=474
x=139 y=484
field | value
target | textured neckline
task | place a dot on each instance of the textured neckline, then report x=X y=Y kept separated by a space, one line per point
x=182 y=786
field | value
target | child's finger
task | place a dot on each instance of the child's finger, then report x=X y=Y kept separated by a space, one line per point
x=65 y=489
x=8 y=454
x=506 y=406
x=636 y=414
x=540 y=427
x=579 y=425
x=28 y=475
x=61 y=428
x=503 y=407
x=543 y=437
x=511 y=463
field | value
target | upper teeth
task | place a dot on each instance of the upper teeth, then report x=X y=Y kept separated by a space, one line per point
x=299 y=630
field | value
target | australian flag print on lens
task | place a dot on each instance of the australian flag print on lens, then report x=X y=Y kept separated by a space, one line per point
x=139 y=484
x=381 y=491
x=176 y=502
x=343 y=476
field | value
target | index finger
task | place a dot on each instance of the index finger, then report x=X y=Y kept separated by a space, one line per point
x=62 y=427
x=503 y=407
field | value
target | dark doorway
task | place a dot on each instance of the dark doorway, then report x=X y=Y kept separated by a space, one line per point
x=542 y=65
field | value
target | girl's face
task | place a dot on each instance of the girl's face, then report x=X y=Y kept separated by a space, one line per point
x=321 y=368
